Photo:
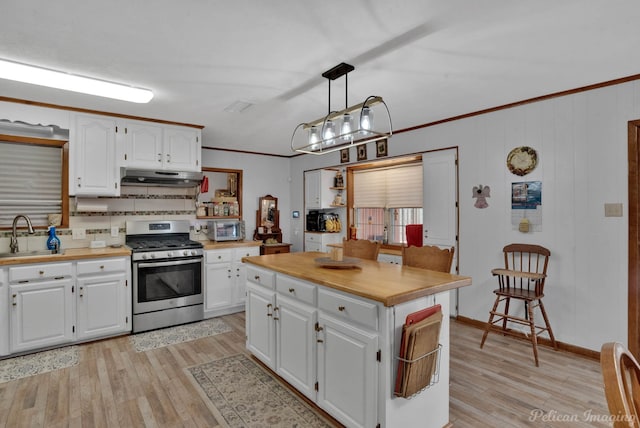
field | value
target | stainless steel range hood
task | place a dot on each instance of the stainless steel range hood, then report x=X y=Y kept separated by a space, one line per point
x=144 y=177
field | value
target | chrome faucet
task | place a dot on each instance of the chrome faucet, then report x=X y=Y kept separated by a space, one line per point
x=14 y=239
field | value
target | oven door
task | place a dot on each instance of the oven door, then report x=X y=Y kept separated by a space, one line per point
x=159 y=285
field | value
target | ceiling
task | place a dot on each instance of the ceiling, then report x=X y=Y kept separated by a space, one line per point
x=429 y=59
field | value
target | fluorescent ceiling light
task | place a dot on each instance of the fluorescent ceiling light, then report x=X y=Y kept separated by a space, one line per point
x=70 y=82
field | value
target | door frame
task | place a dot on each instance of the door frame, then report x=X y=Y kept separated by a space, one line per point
x=633 y=304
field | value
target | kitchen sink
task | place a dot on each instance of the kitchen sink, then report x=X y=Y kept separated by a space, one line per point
x=29 y=253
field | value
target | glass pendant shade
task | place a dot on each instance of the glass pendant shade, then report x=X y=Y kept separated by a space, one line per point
x=347 y=127
x=366 y=120
x=329 y=133
x=314 y=138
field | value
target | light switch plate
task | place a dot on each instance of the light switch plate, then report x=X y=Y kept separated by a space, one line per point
x=613 y=210
x=79 y=233
x=114 y=231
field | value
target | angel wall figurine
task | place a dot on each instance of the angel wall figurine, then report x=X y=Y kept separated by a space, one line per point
x=481 y=192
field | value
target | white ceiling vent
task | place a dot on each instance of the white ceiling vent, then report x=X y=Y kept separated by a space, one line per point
x=238 y=106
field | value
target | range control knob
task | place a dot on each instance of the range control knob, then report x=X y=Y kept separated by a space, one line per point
x=185 y=253
x=152 y=255
x=144 y=257
x=169 y=254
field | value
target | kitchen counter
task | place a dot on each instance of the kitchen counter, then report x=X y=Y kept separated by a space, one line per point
x=392 y=252
x=348 y=323
x=386 y=283
x=68 y=254
x=212 y=245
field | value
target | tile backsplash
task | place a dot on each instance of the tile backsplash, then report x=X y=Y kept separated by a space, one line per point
x=135 y=203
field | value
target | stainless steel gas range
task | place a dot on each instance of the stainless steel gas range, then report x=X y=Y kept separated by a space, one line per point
x=167 y=272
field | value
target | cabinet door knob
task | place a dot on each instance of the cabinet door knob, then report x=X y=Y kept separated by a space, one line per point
x=102 y=267
x=14 y=300
x=81 y=291
x=257 y=277
x=292 y=290
x=159 y=157
x=41 y=272
x=341 y=308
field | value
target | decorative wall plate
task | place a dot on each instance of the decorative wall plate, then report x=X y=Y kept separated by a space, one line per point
x=522 y=160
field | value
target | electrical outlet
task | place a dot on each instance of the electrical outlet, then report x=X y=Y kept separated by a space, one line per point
x=79 y=233
x=115 y=231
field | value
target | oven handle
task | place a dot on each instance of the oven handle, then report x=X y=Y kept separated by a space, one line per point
x=169 y=263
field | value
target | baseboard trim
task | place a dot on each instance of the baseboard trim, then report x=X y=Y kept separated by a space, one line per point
x=578 y=350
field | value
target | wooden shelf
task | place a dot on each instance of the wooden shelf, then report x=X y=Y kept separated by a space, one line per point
x=224 y=217
x=337 y=188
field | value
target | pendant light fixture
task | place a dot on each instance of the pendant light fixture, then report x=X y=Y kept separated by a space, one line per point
x=350 y=127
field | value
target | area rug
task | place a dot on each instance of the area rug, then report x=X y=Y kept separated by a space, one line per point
x=181 y=333
x=41 y=362
x=243 y=394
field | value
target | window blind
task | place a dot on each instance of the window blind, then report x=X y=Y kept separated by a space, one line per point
x=394 y=187
x=31 y=177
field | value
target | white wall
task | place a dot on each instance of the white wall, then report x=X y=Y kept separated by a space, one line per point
x=581 y=142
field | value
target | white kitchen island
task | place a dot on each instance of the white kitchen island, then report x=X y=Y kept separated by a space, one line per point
x=334 y=334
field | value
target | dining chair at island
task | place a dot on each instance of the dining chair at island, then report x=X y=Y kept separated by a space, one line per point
x=621 y=376
x=429 y=257
x=361 y=248
x=522 y=278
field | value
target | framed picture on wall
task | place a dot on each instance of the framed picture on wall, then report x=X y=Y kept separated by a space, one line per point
x=362 y=152
x=344 y=155
x=381 y=148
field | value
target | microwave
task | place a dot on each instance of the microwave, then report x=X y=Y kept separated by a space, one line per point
x=225 y=230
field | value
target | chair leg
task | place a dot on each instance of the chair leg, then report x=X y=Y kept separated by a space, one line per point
x=534 y=337
x=506 y=314
x=546 y=322
x=490 y=322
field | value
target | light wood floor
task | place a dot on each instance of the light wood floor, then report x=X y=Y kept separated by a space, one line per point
x=114 y=386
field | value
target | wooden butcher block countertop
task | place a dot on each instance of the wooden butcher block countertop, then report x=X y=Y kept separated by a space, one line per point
x=387 y=283
x=68 y=254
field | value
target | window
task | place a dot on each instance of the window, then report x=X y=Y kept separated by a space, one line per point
x=33 y=174
x=388 y=196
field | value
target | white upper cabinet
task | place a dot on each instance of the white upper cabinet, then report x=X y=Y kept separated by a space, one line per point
x=164 y=147
x=142 y=145
x=92 y=151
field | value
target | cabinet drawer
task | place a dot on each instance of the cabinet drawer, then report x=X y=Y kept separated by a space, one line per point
x=348 y=308
x=218 y=256
x=313 y=237
x=102 y=266
x=261 y=276
x=37 y=272
x=247 y=252
x=296 y=289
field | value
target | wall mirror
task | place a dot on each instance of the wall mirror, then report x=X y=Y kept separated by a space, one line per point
x=268 y=212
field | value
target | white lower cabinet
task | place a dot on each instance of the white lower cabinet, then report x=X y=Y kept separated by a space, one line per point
x=53 y=304
x=225 y=279
x=318 y=241
x=42 y=310
x=102 y=298
x=347 y=372
x=323 y=344
x=4 y=313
